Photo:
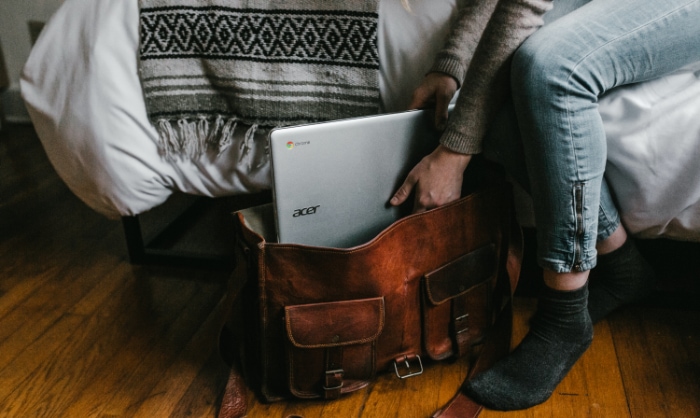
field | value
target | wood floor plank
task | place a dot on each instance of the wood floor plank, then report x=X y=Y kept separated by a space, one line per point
x=659 y=352
x=14 y=377
x=391 y=397
x=257 y=409
x=58 y=379
x=203 y=395
x=85 y=334
x=146 y=348
x=446 y=383
x=46 y=312
x=31 y=263
x=200 y=356
x=157 y=350
x=599 y=378
x=18 y=288
x=57 y=295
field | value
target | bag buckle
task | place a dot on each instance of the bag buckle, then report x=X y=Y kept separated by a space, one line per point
x=330 y=374
x=407 y=371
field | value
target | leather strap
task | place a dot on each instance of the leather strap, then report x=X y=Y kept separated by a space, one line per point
x=460 y=326
x=333 y=380
x=497 y=343
x=234 y=404
x=496 y=346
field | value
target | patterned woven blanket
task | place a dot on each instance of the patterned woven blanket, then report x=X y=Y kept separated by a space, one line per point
x=206 y=65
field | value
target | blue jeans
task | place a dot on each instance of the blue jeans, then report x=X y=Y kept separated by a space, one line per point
x=584 y=49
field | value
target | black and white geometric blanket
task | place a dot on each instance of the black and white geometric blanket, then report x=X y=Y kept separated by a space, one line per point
x=207 y=65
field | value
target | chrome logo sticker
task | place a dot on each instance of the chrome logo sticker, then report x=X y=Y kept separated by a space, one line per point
x=292 y=145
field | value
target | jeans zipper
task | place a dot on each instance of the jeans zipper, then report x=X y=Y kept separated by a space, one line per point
x=578 y=210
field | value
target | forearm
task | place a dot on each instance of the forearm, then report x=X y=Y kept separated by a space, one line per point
x=486 y=83
x=454 y=58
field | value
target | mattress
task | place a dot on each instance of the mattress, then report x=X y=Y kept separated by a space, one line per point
x=81 y=88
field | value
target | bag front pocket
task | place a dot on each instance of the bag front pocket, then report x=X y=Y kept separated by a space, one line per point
x=457 y=303
x=332 y=346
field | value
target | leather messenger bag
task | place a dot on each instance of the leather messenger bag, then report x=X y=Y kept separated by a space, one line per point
x=319 y=323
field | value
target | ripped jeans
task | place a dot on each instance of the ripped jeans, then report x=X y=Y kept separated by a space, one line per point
x=557 y=75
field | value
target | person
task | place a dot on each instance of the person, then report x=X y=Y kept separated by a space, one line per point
x=538 y=67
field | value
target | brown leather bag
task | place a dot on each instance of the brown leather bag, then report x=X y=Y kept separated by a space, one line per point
x=322 y=322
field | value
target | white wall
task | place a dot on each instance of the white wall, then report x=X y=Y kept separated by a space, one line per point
x=16 y=43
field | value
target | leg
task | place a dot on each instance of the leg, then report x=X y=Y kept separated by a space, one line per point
x=620 y=277
x=558 y=75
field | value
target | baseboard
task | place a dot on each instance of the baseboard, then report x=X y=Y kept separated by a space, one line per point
x=13 y=106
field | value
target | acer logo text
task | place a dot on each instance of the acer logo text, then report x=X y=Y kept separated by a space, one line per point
x=305 y=211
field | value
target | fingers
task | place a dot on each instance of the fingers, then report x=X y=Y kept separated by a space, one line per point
x=419 y=206
x=420 y=99
x=436 y=89
x=403 y=192
x=442 y=106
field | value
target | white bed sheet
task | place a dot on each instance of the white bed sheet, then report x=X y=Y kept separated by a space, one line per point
x=83 y=94
x=653 y=131
x=82 y=91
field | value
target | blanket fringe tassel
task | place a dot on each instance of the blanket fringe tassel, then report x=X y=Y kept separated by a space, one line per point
x=192 y=138
x=246 y=156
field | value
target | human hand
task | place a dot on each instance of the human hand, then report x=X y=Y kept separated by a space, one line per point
x=436 y=89
x=437 y=180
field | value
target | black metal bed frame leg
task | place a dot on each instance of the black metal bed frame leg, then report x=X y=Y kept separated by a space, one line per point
x=135 y=246
x=154 y=250
x=141 y=253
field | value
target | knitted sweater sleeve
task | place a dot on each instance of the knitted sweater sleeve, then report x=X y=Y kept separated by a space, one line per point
x=486 y=82
x=454 y=58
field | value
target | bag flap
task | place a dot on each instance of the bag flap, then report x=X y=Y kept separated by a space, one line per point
x=333 y=324
x=460 y=275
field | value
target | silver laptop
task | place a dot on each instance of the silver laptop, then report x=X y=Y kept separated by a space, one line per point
x=332 y=181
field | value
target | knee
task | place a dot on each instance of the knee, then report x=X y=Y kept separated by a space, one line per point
x=552 y=64
x=538 y=68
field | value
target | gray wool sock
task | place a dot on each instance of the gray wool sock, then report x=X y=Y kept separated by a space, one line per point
x=620 y=277
x=560 y=333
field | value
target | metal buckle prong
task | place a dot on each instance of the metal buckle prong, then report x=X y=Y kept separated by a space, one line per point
x=407 y=364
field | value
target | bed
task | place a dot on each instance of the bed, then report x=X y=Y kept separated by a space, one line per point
x=81 y=88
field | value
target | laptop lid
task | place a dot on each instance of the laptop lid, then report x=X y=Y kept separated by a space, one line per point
x=332 y=181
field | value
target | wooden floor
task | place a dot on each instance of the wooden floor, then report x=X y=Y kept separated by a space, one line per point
x=85 y=334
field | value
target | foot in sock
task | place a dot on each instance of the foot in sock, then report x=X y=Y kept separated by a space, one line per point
x=560 y=333
x=620 y=277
